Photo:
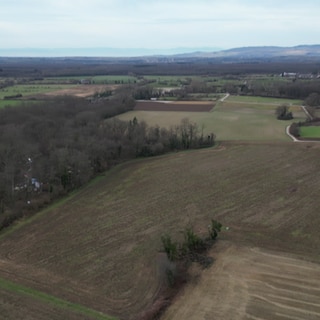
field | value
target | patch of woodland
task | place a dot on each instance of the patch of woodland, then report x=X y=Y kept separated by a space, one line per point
x=50 y=148
x=283 y=113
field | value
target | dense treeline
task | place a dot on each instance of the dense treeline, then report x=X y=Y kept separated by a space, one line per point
x=297 y=89
x=50 y=148
x=307 y=90
x=47 y=67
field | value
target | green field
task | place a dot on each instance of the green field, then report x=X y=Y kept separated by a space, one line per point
x=43 y=304
x=229 y=120
x=177 y=81
x=310 y=132
x=109 y=79
x=103 y=79
x=28 y=90
x=265 y=100
x=9 y=103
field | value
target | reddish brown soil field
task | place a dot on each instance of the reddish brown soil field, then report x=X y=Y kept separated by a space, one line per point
x=188 y=106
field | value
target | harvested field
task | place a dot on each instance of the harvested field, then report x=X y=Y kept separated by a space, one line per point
x=251 y=283
x=19 y=306
x=100 y=248
x=188 y=106
x=81 y=91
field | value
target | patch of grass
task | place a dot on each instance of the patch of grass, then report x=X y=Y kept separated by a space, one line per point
x=60 y=303
x=27 y=90
x=114 y=79
x=310 y=131
x=300 y=234
x=9 y=103
x=264 y=100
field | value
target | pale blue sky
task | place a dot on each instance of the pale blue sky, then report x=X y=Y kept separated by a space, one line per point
x=157 y=23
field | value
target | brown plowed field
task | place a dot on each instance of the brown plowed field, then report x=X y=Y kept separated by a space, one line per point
x=188 y=106
x=100 y=247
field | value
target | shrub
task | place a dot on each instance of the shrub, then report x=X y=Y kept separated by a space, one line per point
x=214 y=228
x=192 y=241
x=295 y=129
x=170 y=247
x=282 y=112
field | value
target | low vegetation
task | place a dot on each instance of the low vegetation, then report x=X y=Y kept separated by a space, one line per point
x=193 y=248
x=283 y=113
x=192 y=243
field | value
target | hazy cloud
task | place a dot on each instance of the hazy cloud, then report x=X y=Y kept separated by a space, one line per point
x=157 y=24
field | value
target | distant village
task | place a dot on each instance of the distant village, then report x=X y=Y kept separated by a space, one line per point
x=297 y=75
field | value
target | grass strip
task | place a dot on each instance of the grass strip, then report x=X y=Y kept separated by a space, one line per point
x=60 y=303
x=310 y=132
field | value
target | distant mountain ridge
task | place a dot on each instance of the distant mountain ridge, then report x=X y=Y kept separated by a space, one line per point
x=260 y=52
x=257 y=53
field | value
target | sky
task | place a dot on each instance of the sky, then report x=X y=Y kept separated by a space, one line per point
x=158 y=24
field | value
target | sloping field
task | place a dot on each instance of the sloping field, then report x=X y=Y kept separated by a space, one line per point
x=31 y=90
x=99 y=249
x=15 y=305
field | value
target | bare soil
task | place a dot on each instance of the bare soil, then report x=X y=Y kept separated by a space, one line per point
x=188 y=106
x=81 y=91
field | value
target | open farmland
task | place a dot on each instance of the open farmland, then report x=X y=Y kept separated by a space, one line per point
x=31 y=90
x=233 y=119
x=9 y=103
x=99 y=248
x=251 y=283
x=52 y=90
x=98 y=79
x=272 y=102
x=187 y=106
x=81 y=91
x=18 y=302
